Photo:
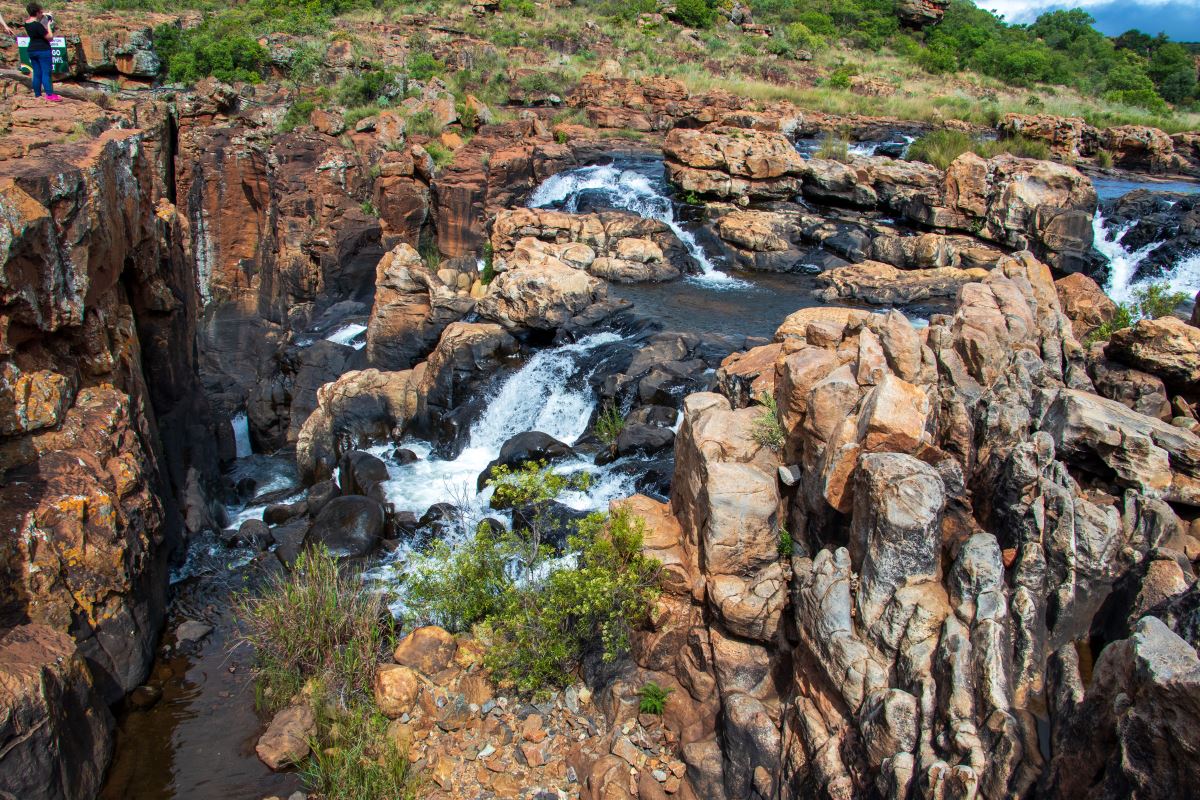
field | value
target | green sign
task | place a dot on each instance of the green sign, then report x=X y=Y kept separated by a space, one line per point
x=58 y=46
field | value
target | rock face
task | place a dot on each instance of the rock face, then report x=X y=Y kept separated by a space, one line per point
x=961 y=504
x=54 y=738
x=617 y=246
x=733 y=162
x=921 y=13
x=544 y=296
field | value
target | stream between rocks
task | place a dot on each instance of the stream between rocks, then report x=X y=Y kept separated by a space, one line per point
x=197 y=740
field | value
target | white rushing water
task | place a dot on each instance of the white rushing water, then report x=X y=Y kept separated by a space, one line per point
x=629 y=190
x=1123 y=263
x=241 y=434
x=349 y=335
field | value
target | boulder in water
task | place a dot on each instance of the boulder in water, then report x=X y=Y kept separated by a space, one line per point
x=640 y=439
x=524 y=448
x=404 y=456
x=362 y=473
x=349 y=526
x=321 y=493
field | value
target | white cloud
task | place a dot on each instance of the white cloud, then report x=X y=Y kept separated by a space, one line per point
x=1028 y=10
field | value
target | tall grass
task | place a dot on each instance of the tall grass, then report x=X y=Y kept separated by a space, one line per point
x=364 y=764
x=941 y=147
x=317 y=622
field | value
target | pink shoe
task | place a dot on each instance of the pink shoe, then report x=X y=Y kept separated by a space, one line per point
x=53 y=98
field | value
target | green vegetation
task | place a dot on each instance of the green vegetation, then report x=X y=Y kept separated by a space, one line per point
x=368 y=208
x=488 y=273
x=422 y=123
x=786 y=545
x=524 y=8
x=653 y=698
x=364 y=762
x=440 y=154
x=209 y=49
x=316 y=632
x=1149 y=302
x=364 y=88
x=431 y=255
x=767 y=430
x=834 y=148
x=609 y=424
x=941 y=147
x=316 y=623
x=1105 y=159
x=694 y=13
x=539 y=614
x=296 y=115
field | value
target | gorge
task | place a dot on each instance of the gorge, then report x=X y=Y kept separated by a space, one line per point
x=925 y=514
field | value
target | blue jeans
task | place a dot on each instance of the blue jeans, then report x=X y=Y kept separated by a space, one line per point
x=42 y=62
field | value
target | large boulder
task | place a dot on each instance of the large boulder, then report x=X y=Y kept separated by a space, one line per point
x=541 y=297
x=412 y=308
x=350 y=526
x=1167 y=347
x=883 y=284
x=357 y=409
x=54 y=728
x=1084 y=303
x=733 y=162
x=524 y=448
x=921 y=13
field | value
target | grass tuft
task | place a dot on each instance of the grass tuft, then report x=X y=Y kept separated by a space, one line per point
x=767 y=430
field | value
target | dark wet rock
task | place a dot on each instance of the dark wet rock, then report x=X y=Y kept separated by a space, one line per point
x=321 y=493
x=404 y=456
x=440 y=520
x=1169 y=220
x=145 y=696
x=666 y=384
x=289 y=540
x=362 y=473
x=641 y=439
x=403 y=525
x=350 y=526
x=253 y=533
x=279 y=513
x=525 y=448
x=662 y=416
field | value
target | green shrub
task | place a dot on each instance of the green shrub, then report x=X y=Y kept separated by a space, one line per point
x=1105 y=159
x=1149 y=302
x=786 y=545
x=440 y=154
x=422 y=123
x=315 y=622
x=538 y=614
x=653 y=698
x=833 y=148
x=767 y=430
x=609 y=424
x=488 y=273
x=524 y=8
x=207 y=50
x=423 y=66
x=368 y=208
x=297 y=115
x=360 y=761
x=694 y=13
x=431 y=255
x=940 y=147
x=363 y=88
x=840 y=77
x=467 y=116
x=356 y=115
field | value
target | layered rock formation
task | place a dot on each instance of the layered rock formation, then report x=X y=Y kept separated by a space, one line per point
x=893 y=615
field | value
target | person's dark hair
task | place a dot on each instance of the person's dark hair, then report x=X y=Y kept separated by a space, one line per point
x=34 y=9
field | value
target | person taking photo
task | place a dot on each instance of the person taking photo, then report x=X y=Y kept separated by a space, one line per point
x=40 y=30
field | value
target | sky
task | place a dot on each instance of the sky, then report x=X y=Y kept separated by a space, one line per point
x=1179 y=19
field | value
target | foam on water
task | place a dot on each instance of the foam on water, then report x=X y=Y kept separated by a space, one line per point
x=1123 y=263
x=349 y=335
x=632 y=191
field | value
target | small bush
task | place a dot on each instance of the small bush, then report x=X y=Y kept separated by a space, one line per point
x=440 y=154
x=316 y=622
x=364 y=88
x=940 y=147
x=539 y=614
x=423 y=66
x=195 y=53
x=431 y=255
x=1149 y=302
x=363 y=761
x=694 y=13
x=422 y=123
x=834 y=148
x=488 y=273
x=356 y=115
x=368 y=208
x=1105 y=159
x=653 y=698
x=296 y=115
x=524 y=8
x=609 y=424
x=840 y=77
x=767 y=430
x=786 y=545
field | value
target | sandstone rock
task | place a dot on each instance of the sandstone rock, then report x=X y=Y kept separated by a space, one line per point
x=396 y=690
x=921 y=13
x=1167 y=347
x=428 y=650
x=540 y=298
x=1084 y=303
x=285 y=741
x=731 y=162
x=883 y=284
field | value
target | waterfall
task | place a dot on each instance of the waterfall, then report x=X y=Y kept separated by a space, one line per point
x=551 y=394
x=241 y=434
x=347 y=334
x=1123 y=263
x=629 y=190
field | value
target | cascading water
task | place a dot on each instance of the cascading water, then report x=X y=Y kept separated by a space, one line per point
x=630 y=190
x=550 y=393
x=241 y=434
x=349 y=334
x=1123 y=264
